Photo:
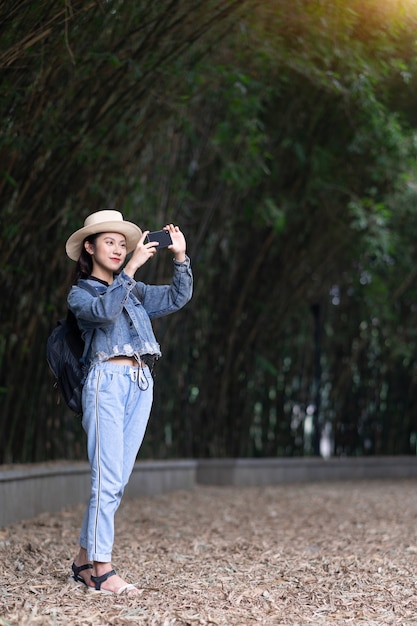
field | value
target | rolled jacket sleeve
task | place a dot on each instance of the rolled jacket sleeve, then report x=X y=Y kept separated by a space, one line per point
x=161 y=300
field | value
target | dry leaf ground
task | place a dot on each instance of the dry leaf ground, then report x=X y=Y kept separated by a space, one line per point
x=320 y=553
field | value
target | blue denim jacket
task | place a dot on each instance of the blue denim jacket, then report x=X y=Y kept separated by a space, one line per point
x=118 y=321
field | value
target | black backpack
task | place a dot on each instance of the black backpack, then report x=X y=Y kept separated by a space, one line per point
x=65 y=349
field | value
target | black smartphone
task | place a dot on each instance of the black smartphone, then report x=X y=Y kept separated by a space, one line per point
x=162 y=236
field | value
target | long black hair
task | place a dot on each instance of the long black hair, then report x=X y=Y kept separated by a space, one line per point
x=84 y=265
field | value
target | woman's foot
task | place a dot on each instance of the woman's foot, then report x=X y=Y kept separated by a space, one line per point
x=110 y=582
x=82 y=568
x=82 y=573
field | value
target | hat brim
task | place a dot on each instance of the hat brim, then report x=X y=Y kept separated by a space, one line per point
x=132 y=233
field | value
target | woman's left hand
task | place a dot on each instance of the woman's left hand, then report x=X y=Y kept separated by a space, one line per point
x=179 y=245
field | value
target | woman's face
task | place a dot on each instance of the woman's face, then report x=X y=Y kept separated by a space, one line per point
x=108 y=253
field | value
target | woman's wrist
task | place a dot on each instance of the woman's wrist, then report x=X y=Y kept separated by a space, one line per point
x=130 y=269
x=181 y=257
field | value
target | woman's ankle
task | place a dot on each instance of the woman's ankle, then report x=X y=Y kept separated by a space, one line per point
x=100 y=568
x=82 y=557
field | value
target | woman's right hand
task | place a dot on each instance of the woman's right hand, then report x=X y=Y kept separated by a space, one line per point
x=142 y=253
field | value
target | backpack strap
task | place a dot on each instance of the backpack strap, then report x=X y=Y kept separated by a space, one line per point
x=93 y=291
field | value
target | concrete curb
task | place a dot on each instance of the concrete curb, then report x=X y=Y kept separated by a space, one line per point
x=27 y=491
x=267 y=471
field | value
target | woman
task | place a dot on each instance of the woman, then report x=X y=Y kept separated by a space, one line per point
x=121 y=350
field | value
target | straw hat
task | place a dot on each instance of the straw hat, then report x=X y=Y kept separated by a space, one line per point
x=103 y=222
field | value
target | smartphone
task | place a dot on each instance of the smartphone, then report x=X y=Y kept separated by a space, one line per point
x=162 y=236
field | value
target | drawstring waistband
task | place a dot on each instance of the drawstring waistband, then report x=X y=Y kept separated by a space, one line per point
x=136 y=364
x=138 y=375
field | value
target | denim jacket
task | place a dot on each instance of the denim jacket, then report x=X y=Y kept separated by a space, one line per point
x=118 y=321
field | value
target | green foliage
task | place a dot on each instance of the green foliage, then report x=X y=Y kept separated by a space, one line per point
x=281 y=137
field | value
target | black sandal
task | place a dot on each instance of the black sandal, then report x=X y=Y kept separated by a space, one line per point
x=76 y=569
x=99 y=580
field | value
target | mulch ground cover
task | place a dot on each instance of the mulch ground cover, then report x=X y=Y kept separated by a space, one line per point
x=320 y=553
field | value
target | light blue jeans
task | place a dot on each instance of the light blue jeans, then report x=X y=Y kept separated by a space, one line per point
x=116 y=411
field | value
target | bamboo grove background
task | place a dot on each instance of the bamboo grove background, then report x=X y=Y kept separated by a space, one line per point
x=281 y=137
